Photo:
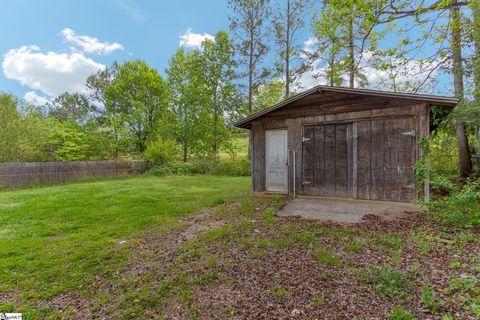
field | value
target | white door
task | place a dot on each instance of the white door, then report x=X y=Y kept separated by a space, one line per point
x=276 y=160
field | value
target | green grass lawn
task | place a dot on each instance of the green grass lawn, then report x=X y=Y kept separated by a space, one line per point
x=56 y=239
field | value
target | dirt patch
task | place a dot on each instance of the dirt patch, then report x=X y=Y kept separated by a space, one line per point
x=238 y=261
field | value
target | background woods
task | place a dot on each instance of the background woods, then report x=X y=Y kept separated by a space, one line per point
x=272 y=50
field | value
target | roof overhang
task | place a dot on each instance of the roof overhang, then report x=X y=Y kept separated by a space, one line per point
x=430 y=99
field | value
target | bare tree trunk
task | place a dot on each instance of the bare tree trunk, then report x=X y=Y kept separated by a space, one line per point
x=351 y=62
x=476 y=64
x=465 y=164
x=287 y=53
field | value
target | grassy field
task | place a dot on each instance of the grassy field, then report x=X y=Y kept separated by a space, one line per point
x=56 y=239
x=201 y=248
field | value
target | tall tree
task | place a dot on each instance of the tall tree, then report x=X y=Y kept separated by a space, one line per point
x=288 y=20
x=186 y=82
x=219 y=87
x=71 y=107
x=270 y=93
x=345 y=30
x=97 y=83
x=137 y=97
x=444 y=17
x=9 y=127
x=475 y=7
x=249 y=27
x=458 y=75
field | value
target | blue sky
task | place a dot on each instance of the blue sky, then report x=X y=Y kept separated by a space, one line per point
x=148 y=30
x=48 y=47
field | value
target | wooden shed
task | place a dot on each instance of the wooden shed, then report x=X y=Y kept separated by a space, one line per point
x=341 y=142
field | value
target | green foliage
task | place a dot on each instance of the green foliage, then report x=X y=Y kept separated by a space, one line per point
x=400 y=313
x=71 y=233
x=461 y=207
x=387 y=281
x=229 y=167
x=391 y=241
x=278 y=292
x=318 y=300
x=468 y=288
x=9 y=122
x=249 y=24
x=68 y=144
x=326 y=257
x=137 y=99
x=354 y=247
x=174 y=168
x=344 y=31
x=439 y=164
x=429 y=300
x=71 y=107
x=269 y=94
x=161 y=151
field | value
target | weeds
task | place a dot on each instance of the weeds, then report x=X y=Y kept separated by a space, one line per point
x=429 y=301
x=326 y=257
x=400 y=313
x=278 y=292
x=318 y=300
x=387 y=281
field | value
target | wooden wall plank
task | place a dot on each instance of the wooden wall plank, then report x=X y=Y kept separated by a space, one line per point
x=319 y=155
x=341 y=161
x=424 y=132
x=368 y=167
x=406 y=160
x=295 y=134
x=258 y=156
x=390 y=160
x=355 y=160
x=364 y=160
x=377 y=134
x=330 y=160
x=309 y=158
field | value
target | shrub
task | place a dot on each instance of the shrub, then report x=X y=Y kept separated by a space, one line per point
x=230 y=167
x=461 y=208
x=174 y=168
x=161 y=151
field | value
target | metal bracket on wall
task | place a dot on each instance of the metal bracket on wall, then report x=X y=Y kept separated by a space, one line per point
x=411 y=133
x=306 y=139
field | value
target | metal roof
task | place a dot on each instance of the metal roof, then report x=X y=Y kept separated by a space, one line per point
x=439 y=100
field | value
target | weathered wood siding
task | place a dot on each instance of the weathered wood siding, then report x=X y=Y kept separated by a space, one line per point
x=328 y=160
x=366 y=167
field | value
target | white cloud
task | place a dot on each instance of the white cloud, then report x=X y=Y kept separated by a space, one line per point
x=34 y=99
x=309 y=44
x=90 y=44
x=193 y=40
x=400 y=75
x=131 y=10
x=49 y=72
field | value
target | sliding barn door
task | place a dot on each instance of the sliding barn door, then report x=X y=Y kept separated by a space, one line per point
x=328 y=160
x=386 y=151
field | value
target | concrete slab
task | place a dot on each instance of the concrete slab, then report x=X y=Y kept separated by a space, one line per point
x=345 y=210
